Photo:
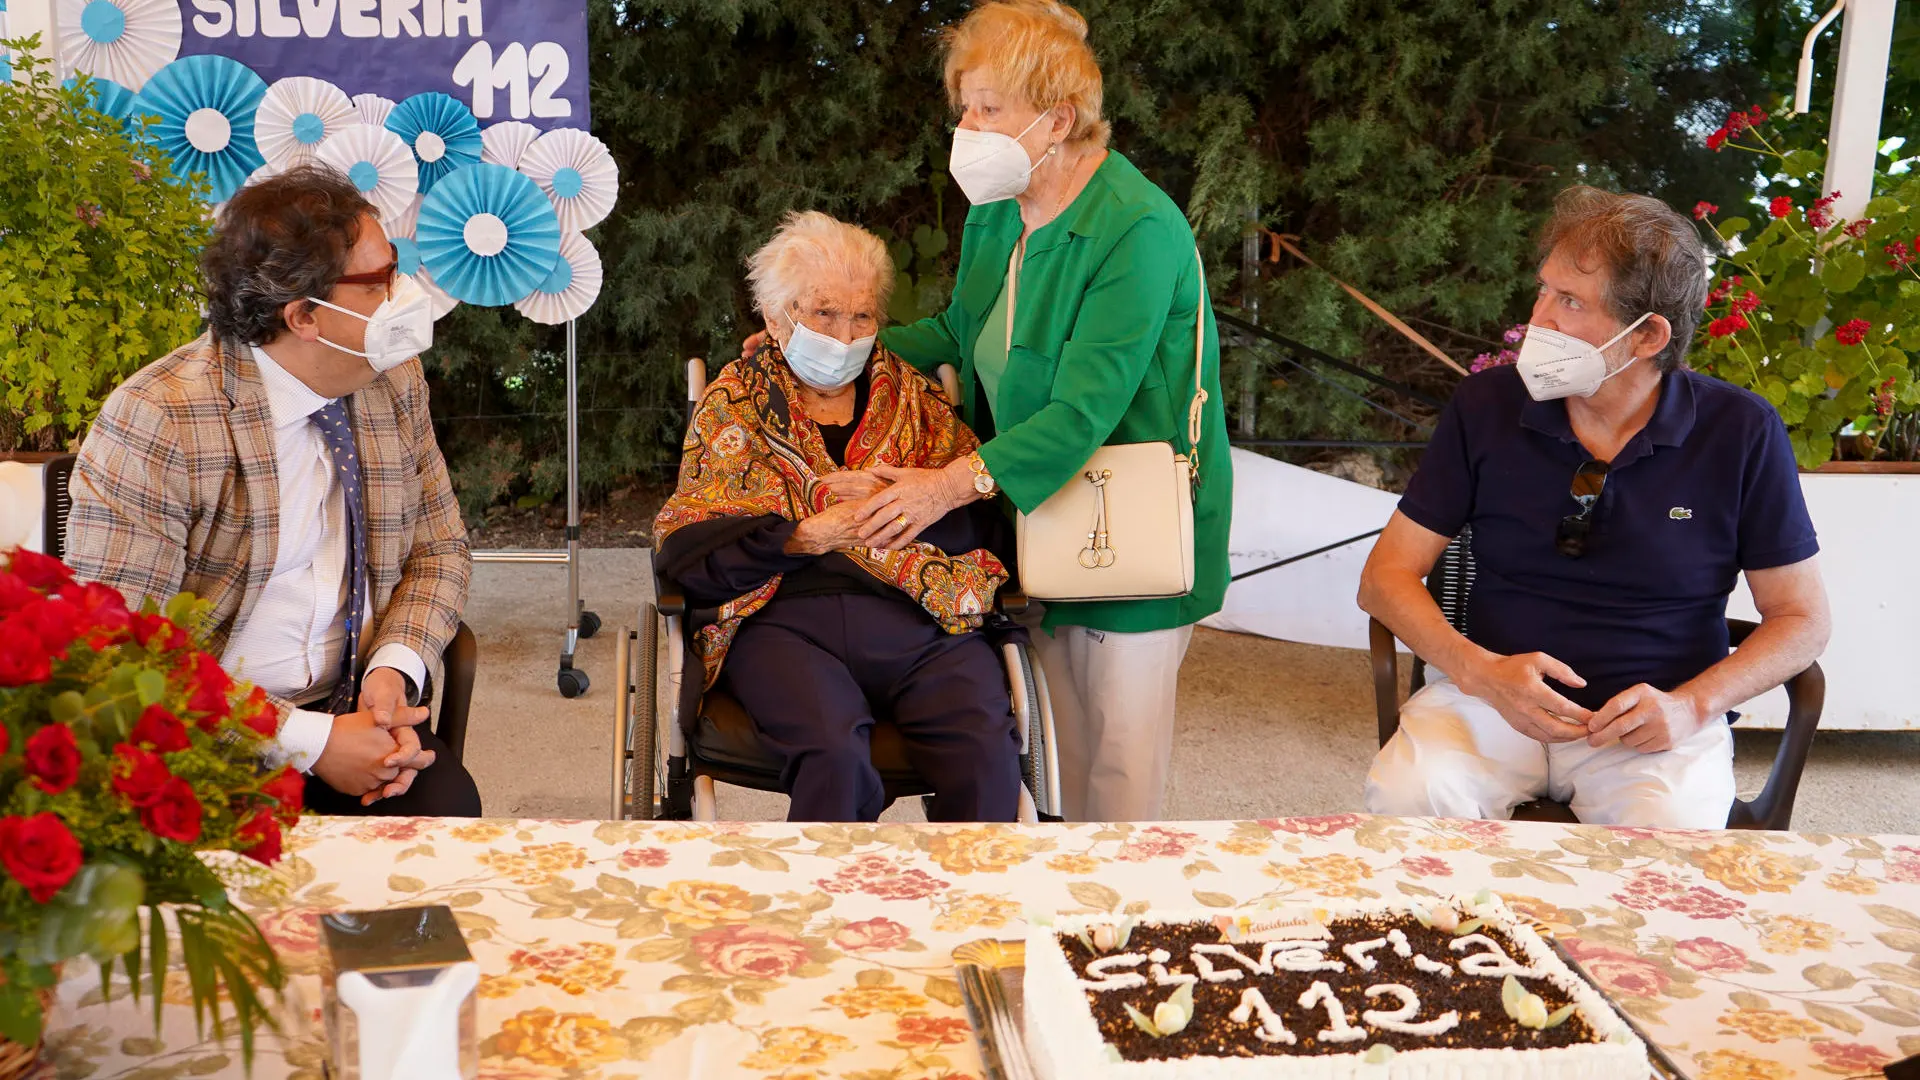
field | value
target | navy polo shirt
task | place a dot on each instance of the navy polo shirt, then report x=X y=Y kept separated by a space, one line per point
x=1707 y=489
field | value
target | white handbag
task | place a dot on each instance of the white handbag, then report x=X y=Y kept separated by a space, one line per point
x=1122 y=528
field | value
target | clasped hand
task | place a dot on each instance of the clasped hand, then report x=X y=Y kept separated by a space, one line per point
x=1641 y=717
x=375 y=753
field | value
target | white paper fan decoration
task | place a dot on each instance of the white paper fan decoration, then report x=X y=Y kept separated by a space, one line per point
x=377 y=163
x=442 y=303
x=296 y=116
x=373 y=109
x=123 y=40
x=577 y=173
x=570 y=289
x=403 y=223
x=505 y=142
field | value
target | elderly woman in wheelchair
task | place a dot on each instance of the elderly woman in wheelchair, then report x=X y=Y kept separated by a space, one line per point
x=812 y=625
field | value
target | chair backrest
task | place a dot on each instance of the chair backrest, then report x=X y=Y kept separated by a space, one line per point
x=1450 y=583
x=1451 y=580
x=56 y=481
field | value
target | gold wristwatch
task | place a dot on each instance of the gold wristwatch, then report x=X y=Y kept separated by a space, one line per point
x=982 y=479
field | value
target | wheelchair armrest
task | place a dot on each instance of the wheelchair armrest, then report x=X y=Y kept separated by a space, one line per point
x=1010 y=601
x=667 y=594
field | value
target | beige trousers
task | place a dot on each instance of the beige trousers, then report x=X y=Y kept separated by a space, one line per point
x=1113 y=700
x=1455 y=756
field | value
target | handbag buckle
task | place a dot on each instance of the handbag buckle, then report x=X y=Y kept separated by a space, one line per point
x=1098 y=554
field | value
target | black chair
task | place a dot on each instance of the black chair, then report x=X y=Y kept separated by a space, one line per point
x=56 y=482
x=1451 y=583
x=461 y=657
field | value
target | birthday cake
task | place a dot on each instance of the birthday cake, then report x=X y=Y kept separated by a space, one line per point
x=1460 y=988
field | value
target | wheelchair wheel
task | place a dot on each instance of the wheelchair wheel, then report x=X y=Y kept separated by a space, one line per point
x=1035 y=763
x=644 y=733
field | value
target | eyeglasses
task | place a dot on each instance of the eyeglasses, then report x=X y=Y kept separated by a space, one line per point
x=382 y=277
x=1589 y=480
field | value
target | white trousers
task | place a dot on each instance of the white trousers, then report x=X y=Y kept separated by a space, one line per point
x=1454 y=756
x=1113 y=698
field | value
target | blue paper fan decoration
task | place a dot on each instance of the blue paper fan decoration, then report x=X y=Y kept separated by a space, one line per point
x=107 y=97
x=203 y=108
x=488 y=235
x=440 y=131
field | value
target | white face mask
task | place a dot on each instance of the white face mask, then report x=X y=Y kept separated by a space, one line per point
x=826 y=363
x=1554 y=365
x=990 y=166
x=400 y=329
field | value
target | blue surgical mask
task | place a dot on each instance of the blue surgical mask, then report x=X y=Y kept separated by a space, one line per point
x=825 y=363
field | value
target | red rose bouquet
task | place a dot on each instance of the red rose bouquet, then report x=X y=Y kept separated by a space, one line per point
x=125 y=752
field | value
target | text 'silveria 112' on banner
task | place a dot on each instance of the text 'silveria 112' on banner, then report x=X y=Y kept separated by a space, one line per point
x=507 y=59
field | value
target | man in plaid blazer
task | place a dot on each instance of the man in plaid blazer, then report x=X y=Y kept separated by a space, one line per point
x=283 y=467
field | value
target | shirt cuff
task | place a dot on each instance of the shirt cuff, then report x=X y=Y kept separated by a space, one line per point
x=405 y=661
x=302 y=739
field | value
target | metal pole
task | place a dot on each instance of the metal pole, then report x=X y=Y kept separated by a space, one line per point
x=573 y=488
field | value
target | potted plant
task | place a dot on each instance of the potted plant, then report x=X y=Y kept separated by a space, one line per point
x=126 y=753
x=1816 y=313
x=1821 y=316
x=98 y=247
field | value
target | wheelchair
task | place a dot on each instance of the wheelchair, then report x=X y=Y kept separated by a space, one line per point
x=672 y=741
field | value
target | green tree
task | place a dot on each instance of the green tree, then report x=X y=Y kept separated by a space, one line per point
x=1413 y=147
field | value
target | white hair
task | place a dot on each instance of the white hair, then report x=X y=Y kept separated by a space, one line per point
x=810 y=246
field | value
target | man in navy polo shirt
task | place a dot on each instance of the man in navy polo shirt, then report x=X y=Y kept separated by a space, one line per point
x=1614 y=496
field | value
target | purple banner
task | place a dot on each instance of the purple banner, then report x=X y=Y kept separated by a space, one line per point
x=505 y=59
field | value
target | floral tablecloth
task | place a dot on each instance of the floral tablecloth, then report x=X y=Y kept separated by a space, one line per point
x=616 y=950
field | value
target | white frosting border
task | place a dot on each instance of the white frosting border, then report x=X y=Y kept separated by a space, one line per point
x=1064 y=1043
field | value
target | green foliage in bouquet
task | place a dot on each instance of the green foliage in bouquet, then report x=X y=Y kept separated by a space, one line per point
x=98 y=242
x=1816 y=314
x=126 y=753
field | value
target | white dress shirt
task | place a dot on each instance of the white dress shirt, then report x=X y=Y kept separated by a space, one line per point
x=291 y=643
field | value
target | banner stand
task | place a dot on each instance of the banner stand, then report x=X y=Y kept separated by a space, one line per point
x=581 y=623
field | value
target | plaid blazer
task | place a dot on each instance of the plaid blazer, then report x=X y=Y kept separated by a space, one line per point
x=176 y=490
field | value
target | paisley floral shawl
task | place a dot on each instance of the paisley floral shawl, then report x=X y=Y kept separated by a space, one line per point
x=752 y=450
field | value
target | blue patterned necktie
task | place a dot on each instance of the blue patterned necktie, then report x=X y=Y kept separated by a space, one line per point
x=337 y=429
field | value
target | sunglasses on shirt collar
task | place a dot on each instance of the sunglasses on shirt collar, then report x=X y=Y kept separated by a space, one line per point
x=1589 y=480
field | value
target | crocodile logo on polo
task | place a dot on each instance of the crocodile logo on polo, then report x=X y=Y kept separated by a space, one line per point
x=1680 y=513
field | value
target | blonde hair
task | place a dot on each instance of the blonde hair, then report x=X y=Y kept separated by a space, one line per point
x=809 y=246
x=1035 y=50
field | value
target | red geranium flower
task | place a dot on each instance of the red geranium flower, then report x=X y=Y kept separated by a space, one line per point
x=160 y=730
x=1727 y=326
x=1702 y=209
x=1858 y=229
x=1746 y=302
x=139 y=775
x=175 y=815
x=1780 y=207
x=1902 y=255
x=53 y=760
x=40 y=854
x=1716 y=140
x=39 y=571
x=263 y=833
x=1853 y=332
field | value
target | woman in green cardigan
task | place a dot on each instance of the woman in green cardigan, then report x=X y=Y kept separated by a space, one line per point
x=1102 y=352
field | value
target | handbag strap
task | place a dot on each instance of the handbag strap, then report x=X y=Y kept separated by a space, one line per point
x=1196 y=408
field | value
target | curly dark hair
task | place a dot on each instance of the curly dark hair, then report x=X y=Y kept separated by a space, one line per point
x=280 y=240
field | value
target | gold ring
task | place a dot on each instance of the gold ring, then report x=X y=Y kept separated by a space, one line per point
x=901 y=520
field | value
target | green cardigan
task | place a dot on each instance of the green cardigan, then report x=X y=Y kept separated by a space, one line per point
x=1102 y=353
